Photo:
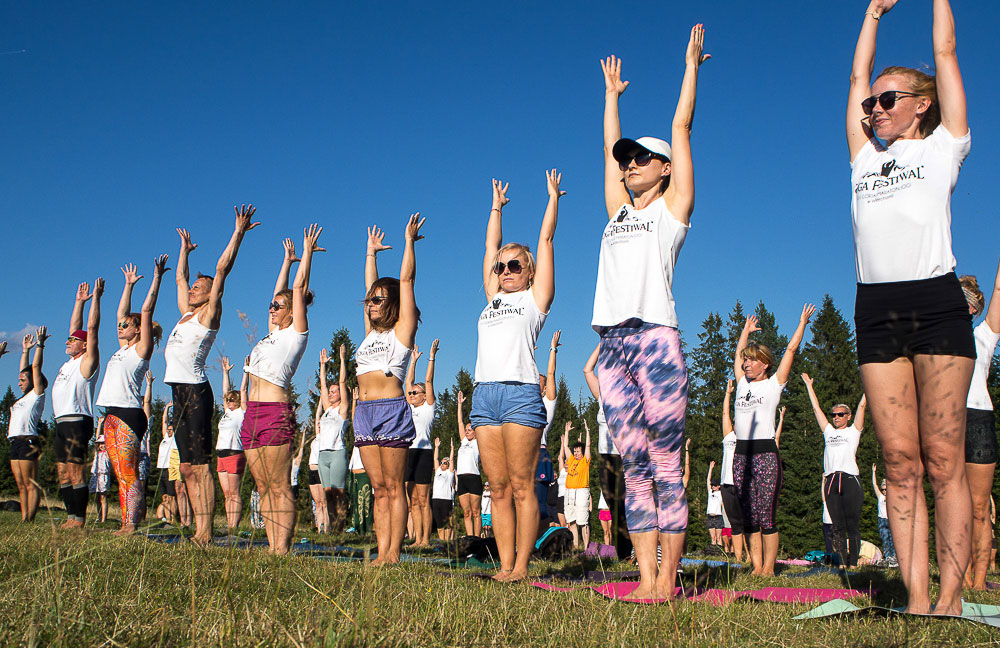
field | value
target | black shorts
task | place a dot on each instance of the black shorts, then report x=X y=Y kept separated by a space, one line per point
x=419 y=466
x=441 y=510
x=469 y=483
x=314 y=477
x=902 y=319
x=165 y=485
x=24 y=448
x=552 y=499
x=714 y=521
x=192 y=421
x=72 y=438
x=980 y=437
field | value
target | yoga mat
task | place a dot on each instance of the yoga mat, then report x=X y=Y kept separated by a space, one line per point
x=621 y=591
x=795 y=562
x=975 y=612
x=818 y=570
x=701 y=562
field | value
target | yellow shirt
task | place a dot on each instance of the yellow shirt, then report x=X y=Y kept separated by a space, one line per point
x=577 y=472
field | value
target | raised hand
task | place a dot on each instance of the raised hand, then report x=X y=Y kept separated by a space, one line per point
x=323 y=358
x=289 y=246
x=132 y=277
x=437 y=441
x=375 y=238
x=83 y=292
x=750 y=326
x=3 y=348
x=186 y=244
x=413 y=227
x=569 y=426
x=310 y=238
x=42 y=333
x=553 y=178
x=27 y=342
x=687 y=444
x=807 y=312
x=99 y=287
x=226 y=364
x=160 y=265
x=343 y=357
x=150 y=378
x=807 y=380
x=729 y=387
x=434 y=347
x=711 y=464
x=696 y=45
x=416 y=353
x=555 y=339
x=612 y=68
x=882 y=6
x=781 y=412
x=500 y=194
x=244 y=218
x=460 y=397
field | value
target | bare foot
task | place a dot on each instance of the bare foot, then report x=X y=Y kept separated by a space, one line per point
x=73 y=524
x=202 y=541
x=503 y=575
x=125 y=531
x=516 y=575
x=954 y=609
x=643 y=592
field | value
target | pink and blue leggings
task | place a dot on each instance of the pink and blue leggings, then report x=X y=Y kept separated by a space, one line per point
x=644 y=391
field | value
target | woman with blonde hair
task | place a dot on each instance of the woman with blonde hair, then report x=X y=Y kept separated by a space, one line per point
x=232 y=461
x=908 y=135
x=22 y=424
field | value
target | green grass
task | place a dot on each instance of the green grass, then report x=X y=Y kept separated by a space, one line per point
x=92 y=589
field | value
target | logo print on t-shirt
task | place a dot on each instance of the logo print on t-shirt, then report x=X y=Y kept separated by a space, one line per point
x=496 y=303
x=622 y=214
x=888 y=167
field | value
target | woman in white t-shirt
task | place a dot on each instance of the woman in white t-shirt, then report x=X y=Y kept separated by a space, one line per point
x=467 y=475
x=649 y=198
x=842 y=492
x=269 y=425
x=231 y=462
x=507 y=410
x=443 y=492
x=332 y=415
x=22 y=426
x=730 y=498
x=757 y=472
x=908 y=135
x=980 y=428
x=713 y=509
x=420 y=464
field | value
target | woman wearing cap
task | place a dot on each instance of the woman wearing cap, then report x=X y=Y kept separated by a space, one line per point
x=383 y=421
x=981 y=430
x=333 y=411
x=507 y=411
x=420 y=463
x=22 y=426
x=908 y=135
x=187 y=348
x=842 y=492
x=649 y=197
x=470 y=481
x=125 y=421
x=269 y=426
x=232 y=460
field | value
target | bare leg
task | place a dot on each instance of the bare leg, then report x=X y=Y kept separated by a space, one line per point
x=645 y=544
x=576 y=538
x=521 y=448
x=671 y=545
x=494 y=462
x=737 y=541
x=420 y=509
x=585 y=536
x=259 y=471
x=201 y=493
x=475 y=504
x=464 y=501
x=770 y=542
x=756 y=551
x=318 y=494
x=393 y=464
x=980 y=478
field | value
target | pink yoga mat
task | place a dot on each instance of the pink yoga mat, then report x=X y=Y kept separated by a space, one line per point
x=795 y=562
x=549 y=587
x=621 y=591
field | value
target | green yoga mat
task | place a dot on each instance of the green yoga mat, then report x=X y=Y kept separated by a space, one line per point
x=975 y=612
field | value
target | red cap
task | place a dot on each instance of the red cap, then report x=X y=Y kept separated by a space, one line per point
x=79 y=334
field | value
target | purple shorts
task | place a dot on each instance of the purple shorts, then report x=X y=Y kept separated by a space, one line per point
x=267 y=424
x=385 y=422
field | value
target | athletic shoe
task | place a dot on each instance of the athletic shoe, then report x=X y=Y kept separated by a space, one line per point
x=892 y=563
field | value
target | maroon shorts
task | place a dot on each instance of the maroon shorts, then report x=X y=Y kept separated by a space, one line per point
x=267 y=424
x=234 y=464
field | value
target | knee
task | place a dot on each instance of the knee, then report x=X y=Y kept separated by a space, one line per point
x=500 y=491
x=980 y=509
x=523 y=491
x=187 y=472
x=466 y=513
x=903 y=468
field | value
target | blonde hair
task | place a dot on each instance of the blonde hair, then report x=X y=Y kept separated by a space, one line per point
x=760 y=353
x=846 y=407
x=922 y=84
x=136 y=320
x=973 y=294
x=529 y=264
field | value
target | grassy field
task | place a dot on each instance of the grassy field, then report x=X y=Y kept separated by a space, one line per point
x=89 y=588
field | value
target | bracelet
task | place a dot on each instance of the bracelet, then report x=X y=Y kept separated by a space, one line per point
x=553 y=350
x=874 y=14
x=496 y=209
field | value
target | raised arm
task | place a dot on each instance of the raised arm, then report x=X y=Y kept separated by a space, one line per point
x=680 y=194
x=27 y=342
x=993 y=311
x=429 y=378
x=750 y=326
x=244 y=388
x=281 y=283
x=615 y=193
x=859 y=415
x=406 y=326
x=460 y=398
x=565 y=439
x=586 y=444
x=544 y=287
x=165 y=418
x=785 y=366
x=858 y=127
x=375 y=245
x=817 y=408
x=947 y=76
x=590 y=376
x=345 y=399
x=781 y=424
x=411 y=369
x=550 y=372
x=686 y=477
x=41 y=336
x=300 y=287
x=708 y=480
x=144 y=347
x=875 y=481
x=226 y=383
x=147 y=396
x=82 y=296
x=3 y=347
x=437 y=447
x=244 y=223
x=92 y=356
x=131 y=278
x=562 y=451
x=727 y=421
x=494 y=238
x=451 y=456
x=182 y=274
x=324 y=392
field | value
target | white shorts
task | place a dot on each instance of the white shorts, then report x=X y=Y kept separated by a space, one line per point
x=576 y=506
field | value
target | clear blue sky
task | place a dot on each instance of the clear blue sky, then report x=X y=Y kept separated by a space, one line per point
x=122 y=121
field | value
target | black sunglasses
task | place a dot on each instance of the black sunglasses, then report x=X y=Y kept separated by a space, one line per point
x=376 y=299
x=887 y=100
x=513 y=265
x=275 y=306
x=642 y=158
x=414 y=392
x=124 y=325
x=839 y=414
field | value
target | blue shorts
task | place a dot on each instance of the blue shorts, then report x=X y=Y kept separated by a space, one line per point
x=487 y=519
x=385 y=422
x=496 y=403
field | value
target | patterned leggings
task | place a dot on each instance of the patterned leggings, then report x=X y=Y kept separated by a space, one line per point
x=757 y=477
x=122 y=442
x=644 y=390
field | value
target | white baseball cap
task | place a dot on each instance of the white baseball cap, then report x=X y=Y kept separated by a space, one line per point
x=624 y=149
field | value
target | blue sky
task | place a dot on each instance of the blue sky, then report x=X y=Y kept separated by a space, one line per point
x=122 y=121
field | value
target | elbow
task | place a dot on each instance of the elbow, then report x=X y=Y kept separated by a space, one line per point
x=683 y=125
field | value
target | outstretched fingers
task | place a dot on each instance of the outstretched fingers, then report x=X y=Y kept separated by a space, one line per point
x=310 y=238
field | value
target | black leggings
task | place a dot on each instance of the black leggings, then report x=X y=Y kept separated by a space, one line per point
x=731 y=504
x=844 y=498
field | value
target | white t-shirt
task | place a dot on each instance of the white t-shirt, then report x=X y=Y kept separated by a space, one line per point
x=602 y=504
x=840 y=449
x=382 y=351
x=901 y=206
x=423 y=420
x=25 y=414
x=187 y=350
x=486 y=506
x=277 y=356
x=714 y=502
x=294 y=477
x=444 y=485
x=605 y=444
x=728 y=450
x=635 y=271
x=467 y=460
x=356 y=463
x=229 y=429
x=561 y=482
x=508 y=329
x=123 y=379
x=331 y=429
x=881 y=505
x=986 y=344
x=550 y=413
x=72 y=394
x=163 y=453
x=313 y=453
x=756 y=403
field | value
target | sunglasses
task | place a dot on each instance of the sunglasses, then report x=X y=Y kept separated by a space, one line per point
x=276 y=306
x=377 y=300
x=642 y=158
x=838 y=414
x=513 y=265
x=414 y=392
x=887 y=100
x=124 y=325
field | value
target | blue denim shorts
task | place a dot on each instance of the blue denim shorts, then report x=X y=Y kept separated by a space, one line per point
x=496 y=403
x=385 y=422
